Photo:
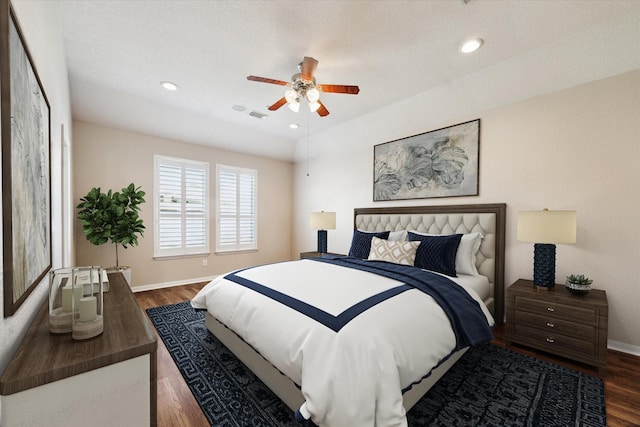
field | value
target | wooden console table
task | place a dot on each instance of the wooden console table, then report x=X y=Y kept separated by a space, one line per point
x=104 y=381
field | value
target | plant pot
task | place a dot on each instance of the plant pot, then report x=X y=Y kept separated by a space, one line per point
x=577 y=289
x=126 y=272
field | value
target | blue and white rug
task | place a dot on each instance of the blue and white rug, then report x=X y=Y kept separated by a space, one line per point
x=489 y=386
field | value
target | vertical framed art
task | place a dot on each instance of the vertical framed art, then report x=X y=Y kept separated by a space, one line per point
x=439 y=163
x=26 y=169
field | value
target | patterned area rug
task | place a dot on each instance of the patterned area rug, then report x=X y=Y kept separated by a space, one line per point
x=489 y=386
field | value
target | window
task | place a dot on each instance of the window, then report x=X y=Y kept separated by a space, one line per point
x=181 y=208
x=236 y=209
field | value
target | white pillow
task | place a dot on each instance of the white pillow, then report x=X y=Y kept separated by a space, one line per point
x=466 y=254
x=398 y=236
x=396 y=252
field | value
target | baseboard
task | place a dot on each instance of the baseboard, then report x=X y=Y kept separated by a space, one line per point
x=623 y=347
x=171 y=284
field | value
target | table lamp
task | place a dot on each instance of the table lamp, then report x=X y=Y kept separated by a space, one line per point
x=546 y=228
x=322 y=221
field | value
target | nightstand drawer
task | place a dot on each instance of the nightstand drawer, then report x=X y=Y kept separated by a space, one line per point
x=551 y=324
x=568 y=312
x=553 y=342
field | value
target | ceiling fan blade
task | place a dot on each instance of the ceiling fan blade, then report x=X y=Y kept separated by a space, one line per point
x=351 y=90
x=322 y=111
x=308 y=68
x=266 y=80
x=279 y=103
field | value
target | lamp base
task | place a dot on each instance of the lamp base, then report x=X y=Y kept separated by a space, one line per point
x=322 y=241
x=544 y=265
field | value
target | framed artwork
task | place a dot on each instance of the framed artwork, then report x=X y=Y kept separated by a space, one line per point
x=26 y=177
x=439 y=163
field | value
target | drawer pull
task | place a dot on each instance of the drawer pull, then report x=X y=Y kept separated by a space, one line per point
x=551 y=309
x=550 y=340
x=551 y=325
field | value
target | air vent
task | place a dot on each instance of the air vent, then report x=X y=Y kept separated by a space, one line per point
x=257 y=115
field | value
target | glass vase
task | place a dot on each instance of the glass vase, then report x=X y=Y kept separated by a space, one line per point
x=60 y=301
x=87 y=302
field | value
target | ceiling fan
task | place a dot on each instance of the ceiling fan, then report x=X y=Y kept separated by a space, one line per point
x=303 y=86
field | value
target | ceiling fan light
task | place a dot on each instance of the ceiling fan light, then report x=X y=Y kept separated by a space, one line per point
x=313 y=106
x=294 y=106
x=290 y=95
x=313 y=95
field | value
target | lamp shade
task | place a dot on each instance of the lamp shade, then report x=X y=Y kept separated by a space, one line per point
x=313 y=95
x=547 y=226
x=322 y=220
x=313 y=106
x=294 y=106
x=291 y=95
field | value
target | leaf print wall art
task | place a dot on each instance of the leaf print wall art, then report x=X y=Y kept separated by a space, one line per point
x=440 y=163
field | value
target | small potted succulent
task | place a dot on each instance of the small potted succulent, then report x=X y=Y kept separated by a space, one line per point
x=578 y=284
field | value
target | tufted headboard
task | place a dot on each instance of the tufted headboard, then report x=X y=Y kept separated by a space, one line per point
x=488 y=219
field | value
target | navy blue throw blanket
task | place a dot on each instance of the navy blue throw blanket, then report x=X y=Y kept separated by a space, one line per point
x=467 y=319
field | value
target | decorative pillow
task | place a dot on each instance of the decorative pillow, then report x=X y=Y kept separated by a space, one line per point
x=392 y=251
x=398 y=236
x=437 y=253
x=361 y=243
x=466 y=254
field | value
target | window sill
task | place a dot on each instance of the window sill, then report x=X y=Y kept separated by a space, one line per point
x=170 y=257
x=235 y=251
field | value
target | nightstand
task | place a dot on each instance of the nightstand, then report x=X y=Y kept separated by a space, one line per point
x=558 y=322
x=314 y=254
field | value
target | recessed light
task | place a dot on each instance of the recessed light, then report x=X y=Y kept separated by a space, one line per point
x=294 y=126
x=471 y=45
x=169 y=85
x=239 y=108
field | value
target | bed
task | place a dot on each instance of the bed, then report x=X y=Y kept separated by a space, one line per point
x=310 y=352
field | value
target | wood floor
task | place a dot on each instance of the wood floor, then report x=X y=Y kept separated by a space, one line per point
x=177 y=406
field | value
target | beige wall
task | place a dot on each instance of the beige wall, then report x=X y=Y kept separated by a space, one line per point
x=111 y=159
x=576 y=148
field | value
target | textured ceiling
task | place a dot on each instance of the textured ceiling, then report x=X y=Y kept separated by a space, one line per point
x=119 y=51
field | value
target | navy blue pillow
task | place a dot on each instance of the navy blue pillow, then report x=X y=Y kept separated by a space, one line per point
x=437 y=253
x=361 y=243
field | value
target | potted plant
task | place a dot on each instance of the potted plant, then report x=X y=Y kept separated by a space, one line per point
x=112 y=217
x=578 y=284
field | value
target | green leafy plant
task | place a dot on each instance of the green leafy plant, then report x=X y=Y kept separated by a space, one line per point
x=112 y=216
x=579 y=279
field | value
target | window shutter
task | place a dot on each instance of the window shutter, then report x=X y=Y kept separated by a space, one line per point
x=181 y=214
x=236 y=209
x=195 y=208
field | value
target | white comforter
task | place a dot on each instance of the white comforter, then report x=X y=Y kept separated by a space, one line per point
x=355 y=376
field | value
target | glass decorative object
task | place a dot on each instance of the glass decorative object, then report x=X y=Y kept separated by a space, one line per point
x=60 y=301
x=87 y=302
